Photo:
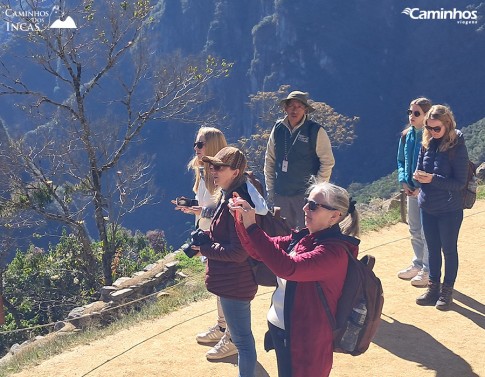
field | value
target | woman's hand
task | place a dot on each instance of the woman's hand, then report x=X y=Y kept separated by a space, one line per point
x=195 y=210
x=242 y=211
x=196 y=248
x=406 y=189
x=422 y=176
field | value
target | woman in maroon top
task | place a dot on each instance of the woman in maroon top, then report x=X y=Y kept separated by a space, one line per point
x=299 y=328
x=228 y=273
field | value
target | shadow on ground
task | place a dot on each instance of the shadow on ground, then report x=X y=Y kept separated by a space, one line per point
x=396 y=337
x=478 y=318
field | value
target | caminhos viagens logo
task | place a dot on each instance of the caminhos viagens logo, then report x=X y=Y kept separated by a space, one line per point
x=466 y=17
x=44 y=15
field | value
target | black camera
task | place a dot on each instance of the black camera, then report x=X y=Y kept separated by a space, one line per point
x=199 y=238
x=186 y=202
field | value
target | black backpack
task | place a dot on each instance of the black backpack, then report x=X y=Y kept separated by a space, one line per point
x=273 y=225
x=469 y=192
x=361 y=286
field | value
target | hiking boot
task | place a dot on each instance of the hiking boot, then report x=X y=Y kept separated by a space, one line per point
x=421 y=279
x=214 y=334
x=430 y=297
x=446 y=298
x=408 y=273
x=224 y=348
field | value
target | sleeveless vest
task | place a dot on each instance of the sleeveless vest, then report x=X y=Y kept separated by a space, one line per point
x=300 y=150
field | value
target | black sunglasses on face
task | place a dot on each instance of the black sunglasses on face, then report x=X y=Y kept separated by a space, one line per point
x=199 y=144
x=434 y=129
x=312 y=205
x=217 y=167
x=417 y=114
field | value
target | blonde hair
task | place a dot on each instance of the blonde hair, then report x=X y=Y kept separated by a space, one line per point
x=214 y=142
x=445 y=116
x=338 y=198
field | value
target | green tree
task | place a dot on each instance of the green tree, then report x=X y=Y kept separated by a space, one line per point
x=41 y=287
x=107 y=88
x=265 y=110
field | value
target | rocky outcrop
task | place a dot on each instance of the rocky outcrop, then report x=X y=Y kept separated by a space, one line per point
x=125 y=294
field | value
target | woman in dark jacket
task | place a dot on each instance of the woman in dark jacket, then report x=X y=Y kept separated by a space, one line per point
x=228 y=273
x=442 y=172
x=317 y=257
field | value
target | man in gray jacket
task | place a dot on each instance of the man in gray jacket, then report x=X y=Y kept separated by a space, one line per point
x=298 y=149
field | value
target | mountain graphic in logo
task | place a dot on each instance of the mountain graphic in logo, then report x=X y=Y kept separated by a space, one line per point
x=68 y=23
x=407 y=11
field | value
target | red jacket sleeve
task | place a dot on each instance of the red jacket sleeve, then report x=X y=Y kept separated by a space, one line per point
x=307 y=263
x=276 y=244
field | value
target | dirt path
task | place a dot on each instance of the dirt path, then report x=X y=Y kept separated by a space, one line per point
x=412 y=341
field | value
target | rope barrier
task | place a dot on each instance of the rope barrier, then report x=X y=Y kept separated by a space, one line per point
x=173 y=286
x=94 y=313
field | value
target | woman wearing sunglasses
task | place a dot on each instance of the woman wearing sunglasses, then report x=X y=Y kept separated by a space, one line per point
x=228 y=273
x=407 y=158
x=299 y=329
x=442 y=172
x=208 y=142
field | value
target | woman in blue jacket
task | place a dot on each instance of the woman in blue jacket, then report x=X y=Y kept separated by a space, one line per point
x=442 y=171
x=407 y=159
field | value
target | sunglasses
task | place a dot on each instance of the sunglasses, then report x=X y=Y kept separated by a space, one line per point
x=313 y=206
x=217 y=167
x=199 y=144
x=434 y=129
x=417 y=114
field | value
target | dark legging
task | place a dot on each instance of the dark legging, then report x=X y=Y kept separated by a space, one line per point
x=283 y=355
x=441 y=232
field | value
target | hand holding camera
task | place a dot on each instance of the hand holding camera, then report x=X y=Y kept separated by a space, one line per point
x=187 y=205
x=182 y=201
x=199 y=238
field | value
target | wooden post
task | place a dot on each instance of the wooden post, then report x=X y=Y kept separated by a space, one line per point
x=402 y=200
x=2 y=312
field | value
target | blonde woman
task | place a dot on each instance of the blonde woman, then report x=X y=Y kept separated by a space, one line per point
x=208 y=142
x=442 y=172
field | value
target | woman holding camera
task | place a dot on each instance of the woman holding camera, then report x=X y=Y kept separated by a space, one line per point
x=299 y=328
x=208 y=142
x=228 y=273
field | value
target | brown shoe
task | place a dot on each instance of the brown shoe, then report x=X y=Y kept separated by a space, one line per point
x=446 y=298
x=431 y=296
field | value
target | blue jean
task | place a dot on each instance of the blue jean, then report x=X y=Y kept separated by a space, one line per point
x=441 y=233
x=282 y=349
x=238 y=319
x=418 y=241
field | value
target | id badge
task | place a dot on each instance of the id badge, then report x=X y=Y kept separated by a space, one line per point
x=284 y=166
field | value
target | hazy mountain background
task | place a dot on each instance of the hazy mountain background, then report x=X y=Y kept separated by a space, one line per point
x=364 y=59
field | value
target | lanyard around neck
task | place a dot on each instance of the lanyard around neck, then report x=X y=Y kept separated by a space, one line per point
x=287 y=151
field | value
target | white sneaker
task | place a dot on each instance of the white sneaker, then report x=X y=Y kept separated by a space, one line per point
x=224 y=348
x=408 y=273
x=421 y=279
x=214 y=334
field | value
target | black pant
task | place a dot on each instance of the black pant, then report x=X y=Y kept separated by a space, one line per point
x=281 y=346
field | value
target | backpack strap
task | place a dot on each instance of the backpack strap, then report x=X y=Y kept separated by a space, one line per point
x=331 y=318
